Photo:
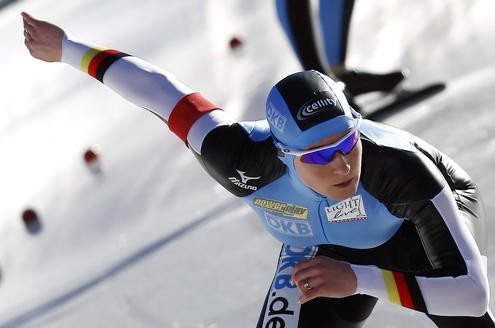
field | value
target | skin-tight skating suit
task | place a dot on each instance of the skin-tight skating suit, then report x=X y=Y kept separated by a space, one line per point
x=333 y=21
x=412 y=231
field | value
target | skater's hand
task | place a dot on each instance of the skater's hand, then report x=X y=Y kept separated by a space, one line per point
x=324 y=277
x=43 y=39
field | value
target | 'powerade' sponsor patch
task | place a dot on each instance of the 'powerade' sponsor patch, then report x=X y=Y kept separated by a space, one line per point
x=286 y=209
x=289 y=226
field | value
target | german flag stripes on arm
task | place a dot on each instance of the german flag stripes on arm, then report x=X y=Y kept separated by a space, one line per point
x=180 y=110
x=187 y=111
x=96 y=61
x=403 y=290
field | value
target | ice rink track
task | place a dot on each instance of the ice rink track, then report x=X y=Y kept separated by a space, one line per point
x=151 y=240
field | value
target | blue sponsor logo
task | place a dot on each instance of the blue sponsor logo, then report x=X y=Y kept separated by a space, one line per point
x=282 y=307
x=276 y=119
x=291 y=227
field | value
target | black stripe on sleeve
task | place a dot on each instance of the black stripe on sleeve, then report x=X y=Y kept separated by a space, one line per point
x=106 y=63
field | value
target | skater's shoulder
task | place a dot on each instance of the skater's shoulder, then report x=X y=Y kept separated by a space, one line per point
x=257 y=130
x=382 y=134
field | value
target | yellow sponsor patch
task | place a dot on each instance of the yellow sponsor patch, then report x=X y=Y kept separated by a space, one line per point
x=286 y=209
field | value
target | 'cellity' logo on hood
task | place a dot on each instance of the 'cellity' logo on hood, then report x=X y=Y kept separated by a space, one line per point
x=315 y=106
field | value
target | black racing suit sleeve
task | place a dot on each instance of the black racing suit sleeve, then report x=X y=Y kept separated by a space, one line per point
x=407 y=183
x=465 y=191
x=237 y=162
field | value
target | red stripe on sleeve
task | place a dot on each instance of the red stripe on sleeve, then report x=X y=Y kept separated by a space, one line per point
x=404 y=294
x=186 y=112
x=96 y=61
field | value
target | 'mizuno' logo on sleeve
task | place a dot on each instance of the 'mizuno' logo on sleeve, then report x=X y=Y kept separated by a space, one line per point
x=244 y=182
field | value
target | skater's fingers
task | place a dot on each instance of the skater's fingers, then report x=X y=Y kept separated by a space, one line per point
x=26 y=16
x=28 y=21
x=42 y=39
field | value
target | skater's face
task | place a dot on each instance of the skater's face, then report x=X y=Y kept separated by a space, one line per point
x=339 y=178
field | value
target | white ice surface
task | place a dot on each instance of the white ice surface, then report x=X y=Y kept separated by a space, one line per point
x=152 y=241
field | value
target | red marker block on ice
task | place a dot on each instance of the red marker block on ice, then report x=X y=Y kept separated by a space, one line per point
x=31 y=220
x=92 y=159
x=236 y=43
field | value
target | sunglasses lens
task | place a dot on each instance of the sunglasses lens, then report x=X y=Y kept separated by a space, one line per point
x=324 y=156
x=319 y=157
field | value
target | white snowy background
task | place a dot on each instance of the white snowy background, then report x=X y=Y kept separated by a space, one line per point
x=152 y=241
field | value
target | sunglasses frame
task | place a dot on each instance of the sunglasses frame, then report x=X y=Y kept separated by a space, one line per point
x=288 y=151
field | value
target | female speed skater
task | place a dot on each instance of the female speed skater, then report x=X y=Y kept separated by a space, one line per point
x=364 y=211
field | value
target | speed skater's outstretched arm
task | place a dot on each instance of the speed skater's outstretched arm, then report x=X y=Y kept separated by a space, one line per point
x=187 y=113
